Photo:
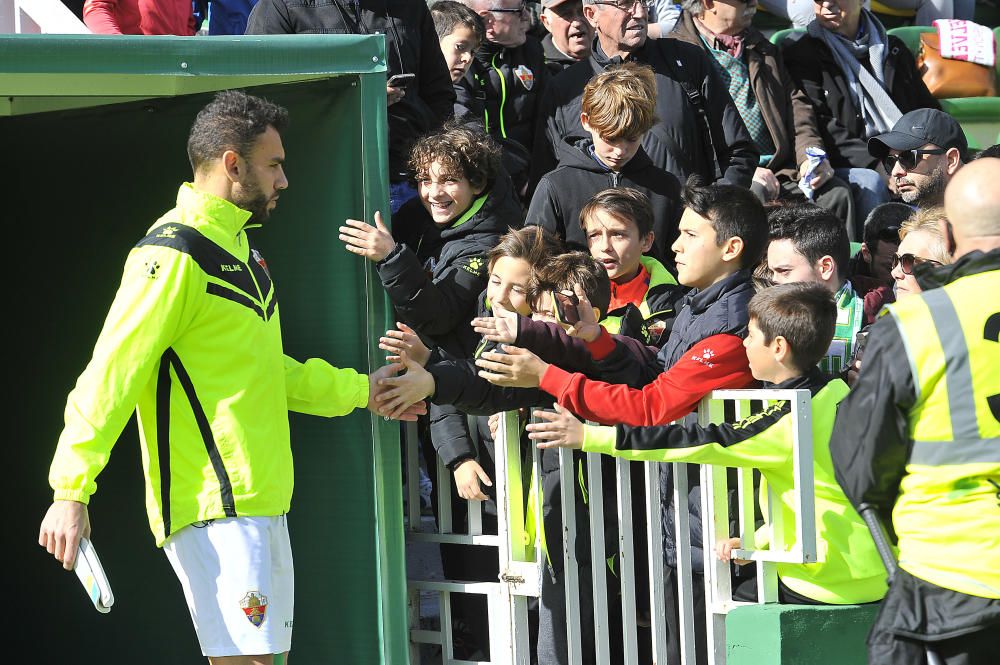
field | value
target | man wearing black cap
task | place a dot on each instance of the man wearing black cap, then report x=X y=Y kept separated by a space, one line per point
x=921 y=154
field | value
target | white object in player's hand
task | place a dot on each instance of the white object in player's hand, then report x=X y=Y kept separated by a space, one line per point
x=91 y=573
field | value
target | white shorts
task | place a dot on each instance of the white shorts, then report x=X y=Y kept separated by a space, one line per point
x=238 y=582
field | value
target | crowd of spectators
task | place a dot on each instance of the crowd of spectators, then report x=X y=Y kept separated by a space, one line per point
x=583 y=208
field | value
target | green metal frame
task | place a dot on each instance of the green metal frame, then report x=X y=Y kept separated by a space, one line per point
x=51 y=73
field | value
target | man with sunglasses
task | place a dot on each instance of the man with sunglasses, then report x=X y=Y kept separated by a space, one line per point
x=700 y=130
x=922 y=153
x=916 y=440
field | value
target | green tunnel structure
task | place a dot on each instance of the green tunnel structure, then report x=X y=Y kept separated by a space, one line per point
x=94 y=131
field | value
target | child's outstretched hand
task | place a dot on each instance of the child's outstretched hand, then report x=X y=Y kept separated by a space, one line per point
x=517 y=368
x=587 y=328
x=372 y=242
x=404 y=339
x=396 y=394
x=558 y=430
x=501 y=327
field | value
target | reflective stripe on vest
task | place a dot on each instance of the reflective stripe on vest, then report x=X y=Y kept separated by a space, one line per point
x=968 y=443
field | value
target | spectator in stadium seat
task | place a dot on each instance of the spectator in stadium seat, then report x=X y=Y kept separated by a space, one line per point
x=569 y=37
x=922 y=153
x=800 y=12
x=872 y=262
x=807 y=245
x=700 y=131
x=921 y=240
x=777 y=114
x=410 y=47
x=860 y=81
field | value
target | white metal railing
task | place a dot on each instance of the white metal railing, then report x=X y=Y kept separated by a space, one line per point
x=39 y=16
x=520 y=570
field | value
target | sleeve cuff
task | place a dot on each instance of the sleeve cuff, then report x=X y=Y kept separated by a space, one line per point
x=364 y=386
x=71 y=495
x=599 y=439
x=601 y=347
x=555 y=381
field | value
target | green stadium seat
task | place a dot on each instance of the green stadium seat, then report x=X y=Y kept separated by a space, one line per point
x=781 y=35
x=910 y=35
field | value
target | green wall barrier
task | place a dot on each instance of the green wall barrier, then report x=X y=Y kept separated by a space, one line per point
x=776 y=634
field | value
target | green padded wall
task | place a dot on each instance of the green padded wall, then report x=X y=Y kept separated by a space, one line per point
x=84 y=184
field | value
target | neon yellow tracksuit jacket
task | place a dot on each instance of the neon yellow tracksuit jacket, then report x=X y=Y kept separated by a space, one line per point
x=193 y=343
x=849 y=569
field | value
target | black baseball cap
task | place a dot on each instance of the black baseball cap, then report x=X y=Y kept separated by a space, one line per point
x=918 y=128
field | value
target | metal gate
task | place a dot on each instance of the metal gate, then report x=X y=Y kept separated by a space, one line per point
x=521 y=568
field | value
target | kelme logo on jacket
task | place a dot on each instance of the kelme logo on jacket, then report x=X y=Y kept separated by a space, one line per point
x=167 y=232
x=525 y=76
x=475 y=266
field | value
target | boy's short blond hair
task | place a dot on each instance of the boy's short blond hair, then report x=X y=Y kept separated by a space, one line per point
x=620 y=102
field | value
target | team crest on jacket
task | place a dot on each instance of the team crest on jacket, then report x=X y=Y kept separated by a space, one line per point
x=260 y=261
x=525 y=76
x=254 y=605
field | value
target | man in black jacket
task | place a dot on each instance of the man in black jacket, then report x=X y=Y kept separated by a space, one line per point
x=700 y=130
x=504 y=85
x=411 y=46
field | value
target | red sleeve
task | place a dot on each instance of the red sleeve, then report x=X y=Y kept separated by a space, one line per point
x=714 y=363
x=601 y=347
x=99 y=16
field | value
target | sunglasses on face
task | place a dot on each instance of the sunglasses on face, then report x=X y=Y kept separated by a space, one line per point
x=908 y=158
x=907 y=261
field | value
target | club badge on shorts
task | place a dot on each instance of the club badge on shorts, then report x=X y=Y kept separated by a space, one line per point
x=254 y=605
x=525 y=76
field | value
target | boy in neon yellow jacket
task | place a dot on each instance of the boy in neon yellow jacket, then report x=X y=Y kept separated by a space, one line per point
x=790 y=330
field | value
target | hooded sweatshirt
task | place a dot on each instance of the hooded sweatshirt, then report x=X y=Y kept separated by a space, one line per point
x=562 y=193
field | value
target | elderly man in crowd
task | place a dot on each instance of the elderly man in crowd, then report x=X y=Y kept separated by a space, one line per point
x=778 y=115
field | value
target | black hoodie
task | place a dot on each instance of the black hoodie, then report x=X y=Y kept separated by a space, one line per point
x=434 y=276
x=677 y=143
x=561 y=194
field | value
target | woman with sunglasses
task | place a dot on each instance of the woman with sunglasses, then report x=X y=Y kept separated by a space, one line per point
x=860 y=81
x=921 y=241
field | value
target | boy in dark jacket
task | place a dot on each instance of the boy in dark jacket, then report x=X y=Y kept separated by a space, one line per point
x=618 y=108
x=433 y=263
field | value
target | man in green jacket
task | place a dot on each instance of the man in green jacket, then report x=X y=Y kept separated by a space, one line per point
x=192 y=342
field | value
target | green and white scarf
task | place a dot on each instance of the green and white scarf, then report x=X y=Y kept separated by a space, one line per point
x=850 y=319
